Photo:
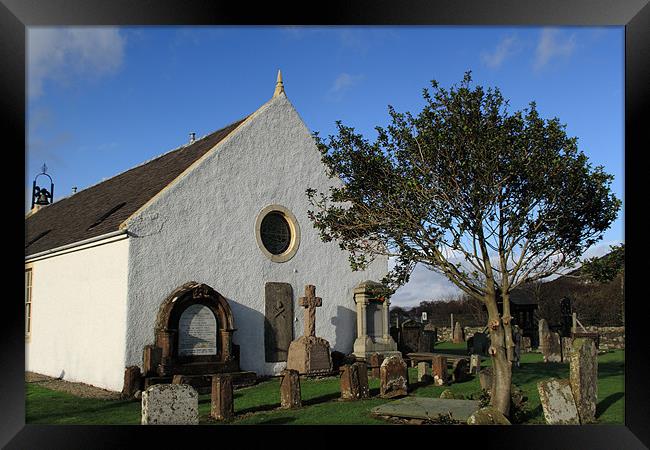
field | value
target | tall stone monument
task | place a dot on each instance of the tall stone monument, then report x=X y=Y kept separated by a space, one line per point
x=373 y=334
x=309 y=354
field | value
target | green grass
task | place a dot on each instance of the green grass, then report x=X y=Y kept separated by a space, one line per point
x=321 y=405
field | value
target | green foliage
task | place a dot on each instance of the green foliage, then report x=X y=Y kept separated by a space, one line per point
x=605 y=268
x=463 y=177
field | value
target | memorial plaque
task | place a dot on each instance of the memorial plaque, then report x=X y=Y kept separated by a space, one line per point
x=374 y=319
x=197 y=331
x=278 y=323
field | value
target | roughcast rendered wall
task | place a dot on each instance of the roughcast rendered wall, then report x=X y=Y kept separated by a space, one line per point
x=79 y=316
x=202 y=228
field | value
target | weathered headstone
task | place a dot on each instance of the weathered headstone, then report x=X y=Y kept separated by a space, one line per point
x=222 y=406
x=362 y=373
x=170 y=404
x=558 y=403
x=423 y=376
x=310 y=354
x=460 y=370
x=549 y=343
x=197 y=331
x=410 y=336
x=566 y=348
x=474 y=364
x=459 y=334
x=583 y=376
x=526 y=345
x=393 y=380
x=486 y=378
x=278 y=321
x=439 y=370
x=151 y=357
x=488 y=416
x=290 y=390
x=479 y=344
x=132 y=381
x=375 y=363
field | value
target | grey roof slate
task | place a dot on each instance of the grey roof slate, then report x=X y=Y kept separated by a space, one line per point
x=101 y=208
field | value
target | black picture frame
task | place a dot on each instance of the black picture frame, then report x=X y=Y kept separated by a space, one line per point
x=634 y=15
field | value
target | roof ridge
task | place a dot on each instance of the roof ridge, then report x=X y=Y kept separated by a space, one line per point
x=150 y=160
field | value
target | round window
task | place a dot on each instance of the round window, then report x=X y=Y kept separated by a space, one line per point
x=275 y=232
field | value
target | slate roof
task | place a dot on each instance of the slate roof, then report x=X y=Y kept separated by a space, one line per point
x=101 y=208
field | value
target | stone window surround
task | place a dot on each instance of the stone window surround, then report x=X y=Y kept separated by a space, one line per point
x=293 y=227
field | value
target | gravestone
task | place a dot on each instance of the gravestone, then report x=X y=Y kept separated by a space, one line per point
x=558 y=403
x=393 y=380
x=197 y=331
x=488 y=416
x=354 y=381
x=474 y=364
x=222 y=406
x=526 y=345
x=439 y=370
x=583 y=376
x=373 y=335
x=486 y=378
x=278 y=323
x=566 y=348
x=375 y=363
x=423 y=376
x=132 y=381
x=410 y=337
x=478 y=344
x=290 y=390
x=309 y=354
x=151 y=358
x=549 y=343
x=427 y=408
x=460 y=370
x=459 y=334
x=170 y=404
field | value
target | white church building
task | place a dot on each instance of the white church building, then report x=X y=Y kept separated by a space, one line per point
x=192 y=262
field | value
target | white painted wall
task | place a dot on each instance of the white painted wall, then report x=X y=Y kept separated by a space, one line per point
x=202 y=228
x=79 y=315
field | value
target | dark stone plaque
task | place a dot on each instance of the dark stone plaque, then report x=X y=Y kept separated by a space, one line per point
x=278 y=323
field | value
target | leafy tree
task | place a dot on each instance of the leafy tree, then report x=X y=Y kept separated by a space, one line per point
x=606 y=268
x=490 y=199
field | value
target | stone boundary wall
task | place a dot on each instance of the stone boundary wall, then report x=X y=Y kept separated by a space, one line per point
x=610 y=337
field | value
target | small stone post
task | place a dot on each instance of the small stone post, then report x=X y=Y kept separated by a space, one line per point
x=362 y=373
x=222 y=407
x=375 y=362
x=439 y=369
x=132 y=381
x=290 y=389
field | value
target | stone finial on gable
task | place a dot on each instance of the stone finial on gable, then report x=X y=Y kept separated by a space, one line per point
x=279 y=86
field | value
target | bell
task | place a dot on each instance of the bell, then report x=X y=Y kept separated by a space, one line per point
x=42 y=198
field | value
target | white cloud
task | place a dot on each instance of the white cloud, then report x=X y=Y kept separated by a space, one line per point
x=62 y=54
x=507 y=47
x=342 y=84
x=553 y=44
x=424 y=284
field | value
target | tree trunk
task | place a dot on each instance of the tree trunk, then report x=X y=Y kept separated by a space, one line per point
x=500 y=396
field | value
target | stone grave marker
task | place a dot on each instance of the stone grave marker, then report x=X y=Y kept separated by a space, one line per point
x=558 y=403
x=354 y=381
x=460 y=370
x=427 y=408
x=423 y=376
x=478 y=344
x=526 y=345
x=459 y=334
x=375 y=362
x=486 y=377
x=170 y=404
x=278 y=321
x=393 y=377
x=549 y=343
x=583 y=376
x=439 y=370
x=290 y=390
x=310 y=354
x=474 y=363
x=222 y=406
x=132 y=381
x=488 y=416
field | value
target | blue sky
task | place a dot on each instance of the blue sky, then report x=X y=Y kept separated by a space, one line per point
x=102 y=100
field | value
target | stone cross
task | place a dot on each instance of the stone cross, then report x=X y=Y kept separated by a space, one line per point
x=310 y=302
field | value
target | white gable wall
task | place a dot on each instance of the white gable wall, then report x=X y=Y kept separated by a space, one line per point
x=202 y=228
x=79 y=315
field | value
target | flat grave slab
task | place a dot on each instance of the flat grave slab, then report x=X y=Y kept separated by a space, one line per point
x=428 y=408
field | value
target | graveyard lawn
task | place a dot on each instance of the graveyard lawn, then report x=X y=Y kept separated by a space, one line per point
x=259 y=404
